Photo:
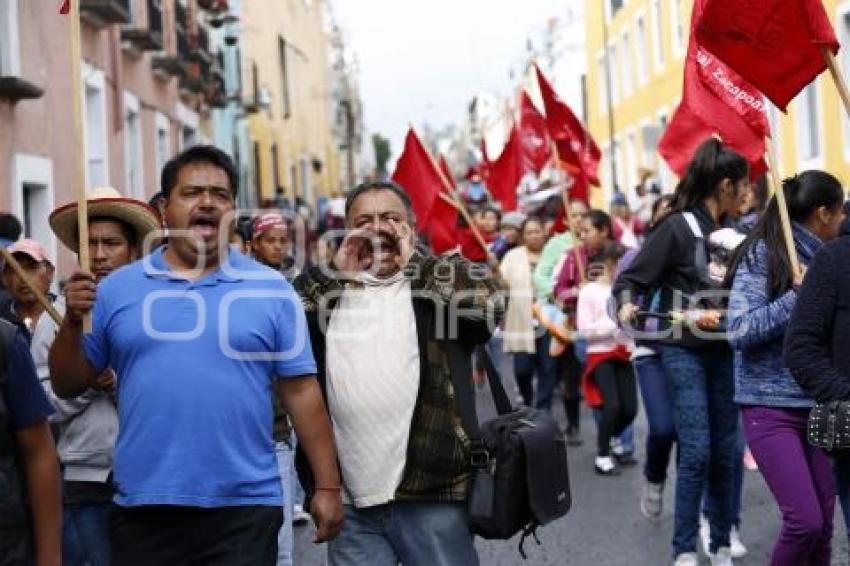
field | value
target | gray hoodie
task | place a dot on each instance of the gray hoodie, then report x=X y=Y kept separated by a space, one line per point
x=87 y=425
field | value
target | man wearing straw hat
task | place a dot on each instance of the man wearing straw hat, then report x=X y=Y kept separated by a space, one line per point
x=88 y=424
x=198 y=336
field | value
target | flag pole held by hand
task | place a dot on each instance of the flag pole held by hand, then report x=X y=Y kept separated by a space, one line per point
x=779 y=195
x=80 y=178
x=16 y=267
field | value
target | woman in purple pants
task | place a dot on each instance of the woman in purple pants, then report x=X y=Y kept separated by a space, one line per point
x=774 y=408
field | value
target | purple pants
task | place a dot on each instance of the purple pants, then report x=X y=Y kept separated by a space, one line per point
x=800 y=478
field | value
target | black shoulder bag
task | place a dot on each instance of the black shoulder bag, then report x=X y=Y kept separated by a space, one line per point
x=520 y=479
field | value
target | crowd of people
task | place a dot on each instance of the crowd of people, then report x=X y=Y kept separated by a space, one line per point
x=209 y=368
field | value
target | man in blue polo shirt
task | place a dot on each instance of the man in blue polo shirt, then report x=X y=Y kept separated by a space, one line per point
x=198 y=336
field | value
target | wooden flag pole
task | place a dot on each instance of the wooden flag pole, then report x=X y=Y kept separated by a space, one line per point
x=837 y=78
x=16 y=267
x=566 y=199
x=449 y=193
x=80 y=177
x=779 y=195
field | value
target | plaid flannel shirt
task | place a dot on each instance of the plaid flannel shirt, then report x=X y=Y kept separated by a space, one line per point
x=453 y=299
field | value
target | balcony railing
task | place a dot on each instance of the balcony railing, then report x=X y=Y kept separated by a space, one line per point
x=104 y=12
x=147 y=38
x=201 y=45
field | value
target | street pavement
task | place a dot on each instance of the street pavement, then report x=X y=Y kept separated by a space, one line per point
x=605 y=527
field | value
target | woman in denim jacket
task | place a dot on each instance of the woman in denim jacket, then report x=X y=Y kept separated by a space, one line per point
x=773 y=406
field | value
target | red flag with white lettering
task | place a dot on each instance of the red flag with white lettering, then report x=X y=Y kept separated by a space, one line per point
x=775 y=44
x=571 y=137
x=716 y=101
x=534 y=134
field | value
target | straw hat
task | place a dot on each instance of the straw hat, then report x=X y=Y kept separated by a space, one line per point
x=104 y=202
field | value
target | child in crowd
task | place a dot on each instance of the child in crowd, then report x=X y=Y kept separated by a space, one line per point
x=609 y=382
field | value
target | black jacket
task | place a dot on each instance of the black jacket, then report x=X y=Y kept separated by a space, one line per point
x=817 y=341
x=667 y=262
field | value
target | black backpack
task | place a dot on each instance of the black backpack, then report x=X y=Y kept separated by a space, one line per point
x=520 y=479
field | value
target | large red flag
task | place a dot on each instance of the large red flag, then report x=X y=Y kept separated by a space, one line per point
x=774 y=44
x=571 y=138
x=444 y=167
x=711 y=106
x=536 y=143
x=420 y=178
x=507 y=171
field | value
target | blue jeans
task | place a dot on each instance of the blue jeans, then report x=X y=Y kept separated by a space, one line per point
x=658 y=405
x=541 y=364
x=406 y=532
x=842 y=483
x=286 y=465
x=85 y=535
x=706 y=418
x=737 y=488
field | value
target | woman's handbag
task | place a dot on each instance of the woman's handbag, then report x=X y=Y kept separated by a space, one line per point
x=829 y=426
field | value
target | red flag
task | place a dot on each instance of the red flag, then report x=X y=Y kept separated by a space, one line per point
x=536 y=143
x=507 y=171
x=442 y=228
x=417 y=174
x=66 y=7
x=571 y=138
x=444 y=167
x=683 y=136
x=774 y=44
x=711 y=106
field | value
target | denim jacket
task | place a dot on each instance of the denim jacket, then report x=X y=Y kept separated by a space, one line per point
x=757 y=326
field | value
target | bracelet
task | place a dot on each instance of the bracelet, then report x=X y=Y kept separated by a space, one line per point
x=337 y=488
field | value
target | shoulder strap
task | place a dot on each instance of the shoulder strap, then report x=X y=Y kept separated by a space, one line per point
x=693 y=224
x=459 y=365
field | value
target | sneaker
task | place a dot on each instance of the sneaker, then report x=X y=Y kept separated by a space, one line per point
x=624 y=457
x=651 y=500
x=299 y=516
x=735 y=545
x=723 y=557
x=574 y=437
x=705 y=535
x=686 y=559
x=605 y=466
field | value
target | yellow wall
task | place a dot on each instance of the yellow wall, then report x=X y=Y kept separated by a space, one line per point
x=661 y=93
x=306 y=133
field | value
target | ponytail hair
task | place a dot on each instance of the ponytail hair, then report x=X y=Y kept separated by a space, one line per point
x=712 y=163
x=804 y=193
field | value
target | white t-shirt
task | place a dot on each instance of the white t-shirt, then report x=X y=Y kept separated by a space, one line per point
x=372 y=383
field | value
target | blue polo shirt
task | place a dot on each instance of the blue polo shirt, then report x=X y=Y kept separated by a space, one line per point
x=196 y=361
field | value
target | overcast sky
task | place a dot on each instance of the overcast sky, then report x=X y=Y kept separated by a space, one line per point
x=424 y=60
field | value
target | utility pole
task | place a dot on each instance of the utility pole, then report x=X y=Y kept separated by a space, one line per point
x=609 y=99
x=349 y=141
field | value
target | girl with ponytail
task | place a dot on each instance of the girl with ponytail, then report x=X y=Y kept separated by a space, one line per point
x=695 y=355
x=774 y=408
